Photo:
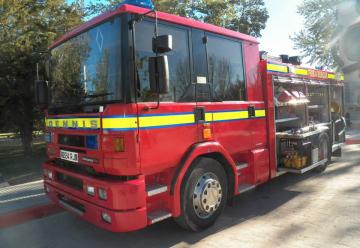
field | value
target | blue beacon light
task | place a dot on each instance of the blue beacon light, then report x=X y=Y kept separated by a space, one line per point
x=148 y=4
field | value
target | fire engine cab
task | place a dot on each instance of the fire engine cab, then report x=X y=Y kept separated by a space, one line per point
x=151 y=115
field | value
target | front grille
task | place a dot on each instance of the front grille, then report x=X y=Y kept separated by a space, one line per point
x=77 y=207
x=70 y=181
x=71 y=140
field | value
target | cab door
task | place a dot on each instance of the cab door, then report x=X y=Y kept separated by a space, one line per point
x=222 y=95
x=220 y=90
x=166 y=131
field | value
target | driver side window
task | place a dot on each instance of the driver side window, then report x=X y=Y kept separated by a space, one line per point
x=179 y=61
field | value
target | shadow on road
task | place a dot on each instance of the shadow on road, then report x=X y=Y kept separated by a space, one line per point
x=66 y=230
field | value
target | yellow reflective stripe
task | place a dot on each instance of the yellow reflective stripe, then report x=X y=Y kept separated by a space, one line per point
x=227 y=116
x=277 y=68
x=125 y=123
x=331 y=76
x=342 y=78
x=166 y=120
x=208 y=117
x=260 y=113
x=303 y=72
x=91 y=123
x=120 y=123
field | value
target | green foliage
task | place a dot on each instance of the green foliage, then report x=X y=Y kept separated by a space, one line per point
x=246 y=16
x=320 y=28
x=27 y=28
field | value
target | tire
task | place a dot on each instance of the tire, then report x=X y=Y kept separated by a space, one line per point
x=324 y=152
x=199 y=209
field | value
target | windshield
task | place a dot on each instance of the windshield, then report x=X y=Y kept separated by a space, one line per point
x=87 y=69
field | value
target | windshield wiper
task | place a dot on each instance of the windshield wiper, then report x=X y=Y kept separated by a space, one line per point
x=98 y=95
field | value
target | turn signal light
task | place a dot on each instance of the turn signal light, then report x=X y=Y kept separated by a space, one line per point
x=119 y=144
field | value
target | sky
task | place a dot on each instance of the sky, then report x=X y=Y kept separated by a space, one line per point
x=283 y=22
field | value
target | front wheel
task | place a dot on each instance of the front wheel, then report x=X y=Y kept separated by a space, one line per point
x=324 y=152
x=203 y=194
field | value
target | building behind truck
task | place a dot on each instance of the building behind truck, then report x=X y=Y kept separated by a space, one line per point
x=151 y=116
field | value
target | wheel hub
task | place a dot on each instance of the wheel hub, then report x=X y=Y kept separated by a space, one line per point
x=207 y=195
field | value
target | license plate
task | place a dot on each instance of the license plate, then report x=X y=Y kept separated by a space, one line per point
x=69 y=156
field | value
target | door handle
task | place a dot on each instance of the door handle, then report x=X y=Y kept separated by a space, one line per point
x=199 y=114
x=251 y=111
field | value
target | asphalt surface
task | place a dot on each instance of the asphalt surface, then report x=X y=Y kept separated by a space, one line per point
x=311 y=210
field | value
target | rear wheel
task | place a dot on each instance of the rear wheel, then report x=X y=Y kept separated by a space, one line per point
x=203 y=194
x=324 y=152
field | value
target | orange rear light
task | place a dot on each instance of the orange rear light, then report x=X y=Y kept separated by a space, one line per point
x=119 y=144
x=207 y=132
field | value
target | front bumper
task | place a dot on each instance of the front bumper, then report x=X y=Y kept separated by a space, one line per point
x=125 y=204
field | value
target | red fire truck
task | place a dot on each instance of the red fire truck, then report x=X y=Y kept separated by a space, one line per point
x=152 y=115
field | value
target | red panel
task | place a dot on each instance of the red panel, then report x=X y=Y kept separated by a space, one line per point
x=270 y=116
x=127 y=162
x=122 y=195
x=253 y=72
x=235 y=136
x=122 y=221
x=163 y=147
x=259 y=159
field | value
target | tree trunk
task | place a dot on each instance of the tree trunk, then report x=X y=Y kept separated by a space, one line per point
x=26 y=138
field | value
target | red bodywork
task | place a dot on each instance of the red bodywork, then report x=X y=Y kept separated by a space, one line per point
x=163 y=155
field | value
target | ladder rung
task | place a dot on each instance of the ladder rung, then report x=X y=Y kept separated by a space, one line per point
x=156 y=189
x=240 y=166
x=158 y=216
x=246 y=187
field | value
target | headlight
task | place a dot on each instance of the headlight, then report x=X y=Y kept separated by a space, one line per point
x=48 y=174
x=106 y=217
x=102 y=194
x=90 y=190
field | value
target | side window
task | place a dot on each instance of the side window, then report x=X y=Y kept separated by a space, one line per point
x=179 y=61
x=226 y=69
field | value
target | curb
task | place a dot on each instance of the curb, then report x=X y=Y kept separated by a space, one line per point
x=352 y=141
x=28 y=214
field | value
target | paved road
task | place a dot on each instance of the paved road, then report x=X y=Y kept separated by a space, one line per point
x=312 y=210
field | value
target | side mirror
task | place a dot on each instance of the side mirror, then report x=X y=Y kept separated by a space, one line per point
x=41 y=93
x=159 y=74
x=162 y=44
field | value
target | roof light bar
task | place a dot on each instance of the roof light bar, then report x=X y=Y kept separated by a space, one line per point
x=148 y=4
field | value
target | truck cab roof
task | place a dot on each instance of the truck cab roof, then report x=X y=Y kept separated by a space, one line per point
x=126 y=8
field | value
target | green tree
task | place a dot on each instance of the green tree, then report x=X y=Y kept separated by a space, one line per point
x=27 y=27
x=246 y=16
x=315 y=40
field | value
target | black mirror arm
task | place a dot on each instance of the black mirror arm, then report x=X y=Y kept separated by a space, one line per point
x=132 y=23
x=147 y=108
